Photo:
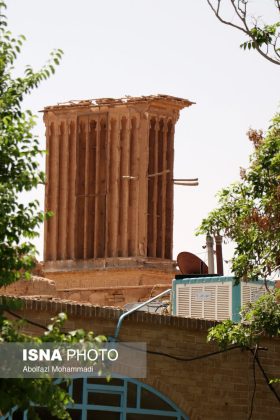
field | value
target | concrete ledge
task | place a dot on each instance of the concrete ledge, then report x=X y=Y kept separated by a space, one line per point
x=110 y=263
x=119 y=288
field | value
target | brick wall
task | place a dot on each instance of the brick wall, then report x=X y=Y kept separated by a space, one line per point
x=36 y=286
x=109 y=287
x=113 y=286
x=213 y=388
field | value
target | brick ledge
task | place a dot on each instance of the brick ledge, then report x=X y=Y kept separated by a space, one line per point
x=87 y=310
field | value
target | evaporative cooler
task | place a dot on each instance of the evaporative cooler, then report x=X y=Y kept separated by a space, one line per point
x=213 y=297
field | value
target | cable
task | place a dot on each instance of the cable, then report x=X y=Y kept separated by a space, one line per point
x=203 y=356
x=164 y=305
x=266 y=378
x=27 y=320
x=255 y=382
x=148 y=351
x=181 y=359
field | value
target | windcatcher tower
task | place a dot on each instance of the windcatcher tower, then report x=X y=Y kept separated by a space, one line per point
x=110 y=186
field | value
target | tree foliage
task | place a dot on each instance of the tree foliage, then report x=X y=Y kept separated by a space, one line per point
x=43 y=392
x=19 y=151
x=20 y=173
x=249 y=210
x=264 y=38
x=258 y=318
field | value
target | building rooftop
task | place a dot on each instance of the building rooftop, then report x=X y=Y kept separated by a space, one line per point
x=113 y=102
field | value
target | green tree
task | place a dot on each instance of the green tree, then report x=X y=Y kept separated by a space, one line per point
x=19 y=151
x=264 y=38
x=258 y=318
x=20 y=173
x=249 y=214
x=43 y=392
x=249 y=210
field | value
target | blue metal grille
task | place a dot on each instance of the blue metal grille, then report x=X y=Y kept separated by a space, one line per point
x=119 y=399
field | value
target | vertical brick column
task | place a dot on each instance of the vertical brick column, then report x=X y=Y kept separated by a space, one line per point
x=110 y=178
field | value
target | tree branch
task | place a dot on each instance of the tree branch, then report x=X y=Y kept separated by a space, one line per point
x=240 y=9
x=216 y=12
x=275 y=45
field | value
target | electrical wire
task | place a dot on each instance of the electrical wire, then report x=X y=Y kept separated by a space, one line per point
x=25 y=319
x=164 y=305
x=203 y=356
x=255 y=382
x=181 y=359
x=266 y=378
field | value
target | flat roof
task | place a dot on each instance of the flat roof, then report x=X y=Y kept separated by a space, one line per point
x=113 y=102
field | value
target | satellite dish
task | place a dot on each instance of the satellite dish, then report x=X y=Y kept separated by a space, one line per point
x=191 y=264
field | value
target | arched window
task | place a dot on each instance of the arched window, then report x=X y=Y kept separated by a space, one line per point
x=118 y=399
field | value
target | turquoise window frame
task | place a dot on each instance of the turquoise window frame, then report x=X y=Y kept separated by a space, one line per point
x=122 y=408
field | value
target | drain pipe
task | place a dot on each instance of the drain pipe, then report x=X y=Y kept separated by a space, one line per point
x=125 y=314
x=210 y=254
x=219 y=255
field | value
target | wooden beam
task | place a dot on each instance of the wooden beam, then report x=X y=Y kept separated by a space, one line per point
x=159 y=173
x=186 y=184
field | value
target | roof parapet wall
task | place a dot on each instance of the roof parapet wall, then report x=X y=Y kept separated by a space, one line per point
x=178 y=103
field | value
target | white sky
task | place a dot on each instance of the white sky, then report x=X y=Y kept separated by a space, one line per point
x=143 y=47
